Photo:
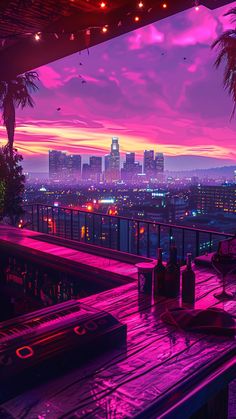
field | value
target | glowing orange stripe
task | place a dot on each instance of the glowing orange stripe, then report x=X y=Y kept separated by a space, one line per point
x=49 y=337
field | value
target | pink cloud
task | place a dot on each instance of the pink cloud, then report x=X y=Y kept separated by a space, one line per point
x=49 y=77
x=145 y=36
x=134 y=77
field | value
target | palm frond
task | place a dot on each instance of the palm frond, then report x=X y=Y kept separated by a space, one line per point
x=3 y=91
x=233 y=13
x=13 y=94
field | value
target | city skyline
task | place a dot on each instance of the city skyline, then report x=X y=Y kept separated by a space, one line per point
x=108 y=168
x=155 y=86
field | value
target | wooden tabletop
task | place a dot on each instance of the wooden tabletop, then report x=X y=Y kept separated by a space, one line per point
x=28 y=242
x=126 y=382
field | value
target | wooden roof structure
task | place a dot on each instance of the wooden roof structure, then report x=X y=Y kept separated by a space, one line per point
x=37 y=32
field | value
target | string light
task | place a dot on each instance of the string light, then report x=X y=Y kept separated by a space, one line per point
x=196 y=5
x=37 y=37
x=104 y=29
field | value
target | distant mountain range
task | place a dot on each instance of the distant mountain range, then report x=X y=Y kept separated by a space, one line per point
x=193 y=163
x=226 y=172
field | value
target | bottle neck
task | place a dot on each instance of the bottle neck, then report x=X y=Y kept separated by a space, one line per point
x=189 y=261
x=159 y=255
x=173 y=255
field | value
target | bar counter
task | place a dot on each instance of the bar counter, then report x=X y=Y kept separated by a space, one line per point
x=161 y=373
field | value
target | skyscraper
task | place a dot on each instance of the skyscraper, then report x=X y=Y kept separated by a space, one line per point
x=95 y=168
x=73 y=166
x=149 y=163
x=112 y=164
x=57 y=163
x=86 y=172
x=159 y=163
x=131 y=169
x=63 y=166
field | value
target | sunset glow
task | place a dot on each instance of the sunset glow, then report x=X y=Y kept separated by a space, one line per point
x=155 y=87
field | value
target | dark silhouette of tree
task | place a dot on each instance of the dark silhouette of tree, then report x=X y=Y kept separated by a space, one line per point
x=226 y=48
x=14 y=94
x=11 y=184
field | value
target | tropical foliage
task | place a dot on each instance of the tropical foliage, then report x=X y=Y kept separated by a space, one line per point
x=11 y=184
x=226 y=55
x=14 y=94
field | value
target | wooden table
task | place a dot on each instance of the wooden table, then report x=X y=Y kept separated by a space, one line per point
x=160 y=367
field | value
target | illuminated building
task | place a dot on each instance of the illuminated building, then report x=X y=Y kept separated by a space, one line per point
x=95 y=168
x=211 y=199
x=73 y=166
x=112 y=163
x=57 y=163
x=149 y=163
x=63 y=166
x=85 y=172
x=159 y=163
x=131 y=169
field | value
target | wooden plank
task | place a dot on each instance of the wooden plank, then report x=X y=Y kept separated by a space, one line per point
x=126 y=382
x=71 y=259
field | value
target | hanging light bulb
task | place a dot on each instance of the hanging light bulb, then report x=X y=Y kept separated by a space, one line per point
x=140 y=4
x=72 y=37
x=197 y=5
x=136 y=18
x=104 y=29
x=164 y=5
x=37 y=36
x=102 y=5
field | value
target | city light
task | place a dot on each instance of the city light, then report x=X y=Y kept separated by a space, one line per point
x=106 y=201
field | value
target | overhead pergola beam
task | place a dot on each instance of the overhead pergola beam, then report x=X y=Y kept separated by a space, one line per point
x=25 y=54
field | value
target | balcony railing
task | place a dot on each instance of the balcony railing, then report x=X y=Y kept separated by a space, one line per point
x=136 y=236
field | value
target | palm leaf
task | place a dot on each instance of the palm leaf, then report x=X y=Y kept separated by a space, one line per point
x=226 y=55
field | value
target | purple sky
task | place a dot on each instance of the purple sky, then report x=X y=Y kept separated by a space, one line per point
x=153 y=88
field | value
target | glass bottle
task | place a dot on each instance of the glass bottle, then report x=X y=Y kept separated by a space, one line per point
x=188 y=282
x=159 y=275
x=172 y=275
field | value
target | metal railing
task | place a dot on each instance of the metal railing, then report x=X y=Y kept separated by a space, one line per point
x=136 y=236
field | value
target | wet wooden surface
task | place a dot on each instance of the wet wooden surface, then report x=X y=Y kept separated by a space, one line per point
x=26 y=239
x=125 y=382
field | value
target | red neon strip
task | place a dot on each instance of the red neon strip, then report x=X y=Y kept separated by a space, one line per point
x=27 y=355
x=49 y=337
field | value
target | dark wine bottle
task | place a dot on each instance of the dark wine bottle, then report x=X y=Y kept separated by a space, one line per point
x=36 y=284
x=172 y=275
x=188 y=282
x=159 y=275
x=8 y=269
x=59 y=291
x=24 y=276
